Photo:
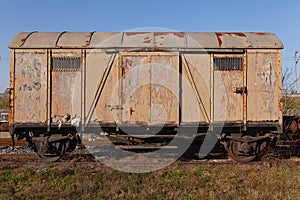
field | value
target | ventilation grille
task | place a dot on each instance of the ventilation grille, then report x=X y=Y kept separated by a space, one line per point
x=228 y=63
x=66 y=63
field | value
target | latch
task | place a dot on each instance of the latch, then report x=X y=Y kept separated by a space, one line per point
x=240 y=90
x=131 y=111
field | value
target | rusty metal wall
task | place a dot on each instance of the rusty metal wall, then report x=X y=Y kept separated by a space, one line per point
x=147 y=87
x=164 y=77
x=66 y=87
x=96 y=64
x=228 y=104
x=150 y=88
x=136 y=89
x=200 y=69
x=30 y=94
x=264 y=85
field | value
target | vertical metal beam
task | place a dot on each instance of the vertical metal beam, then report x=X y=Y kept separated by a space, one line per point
x=180 y=73
x=279 y=65
x=49 y=90
x=83 y=70
x=12 y=92
x=179 y=87
x=149 y=86
x=212 y=111
x=245 y=94
x=120 y=89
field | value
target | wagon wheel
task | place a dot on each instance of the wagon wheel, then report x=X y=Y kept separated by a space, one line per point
x=242 y=151
x=51 y=151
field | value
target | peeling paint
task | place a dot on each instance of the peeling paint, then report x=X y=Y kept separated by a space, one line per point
x=30 y=86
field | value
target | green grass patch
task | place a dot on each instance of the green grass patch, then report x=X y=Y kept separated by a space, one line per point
x=230 y=181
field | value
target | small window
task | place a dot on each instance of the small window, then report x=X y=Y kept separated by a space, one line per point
x=228 y=63
x=66 y=63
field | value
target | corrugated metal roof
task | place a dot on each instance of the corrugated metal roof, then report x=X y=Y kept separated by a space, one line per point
x=159 y=40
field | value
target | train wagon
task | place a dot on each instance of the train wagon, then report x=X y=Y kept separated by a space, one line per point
x=145 y=85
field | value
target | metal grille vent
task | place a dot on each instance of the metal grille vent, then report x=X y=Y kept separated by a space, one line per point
x=66 y=63
x=228 y=63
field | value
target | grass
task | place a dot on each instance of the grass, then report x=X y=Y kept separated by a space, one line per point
x=207 y=181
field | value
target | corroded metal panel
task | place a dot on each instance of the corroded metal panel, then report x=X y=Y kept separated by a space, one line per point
x=264 y=40
x=41 y=40
x=30 y=95
x=136 y=89
x=66 y=88
x=199 y=66
x=264 y=83
x=164 y=89
x=229 y=87
x=97 y=63
x=19 y=40
x=150 y=89
x=233 y=40
x=228 y=104
x=74 y=40
x=66 y=91
x=141 y=40
x=12 y=90
x=169 y=39
x=106 y=40
x=201 y=40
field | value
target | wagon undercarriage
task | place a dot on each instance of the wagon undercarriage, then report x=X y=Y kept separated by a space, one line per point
x=241 y=146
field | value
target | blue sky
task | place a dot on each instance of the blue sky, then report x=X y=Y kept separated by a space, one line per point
x=280 y=17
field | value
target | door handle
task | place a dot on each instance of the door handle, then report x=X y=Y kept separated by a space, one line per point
x=131 y=111
x=240 y=90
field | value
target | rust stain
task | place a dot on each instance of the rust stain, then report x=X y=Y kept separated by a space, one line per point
x=88 y=39
x=280 y=104
x=178 y=34
x=259 y=33
x=219 y=39
x=134 y=33
x=222 y=34
x=23 y=40
x=147 y=41
x=231 y=34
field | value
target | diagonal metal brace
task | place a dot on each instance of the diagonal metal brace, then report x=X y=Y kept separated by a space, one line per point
x=192 y=81
x=100 y=88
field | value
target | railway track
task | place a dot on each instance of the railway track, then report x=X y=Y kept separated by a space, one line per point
x=86 y=159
